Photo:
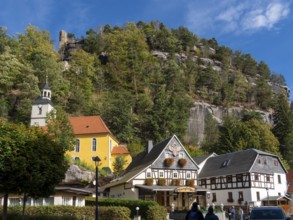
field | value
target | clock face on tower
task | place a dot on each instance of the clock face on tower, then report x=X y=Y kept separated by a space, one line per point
x=174 y=148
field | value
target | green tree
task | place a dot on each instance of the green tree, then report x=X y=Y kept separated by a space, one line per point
x=31 y=160
x=263 y=93
x=119 y=164
x=283 y=126
x=263 y=70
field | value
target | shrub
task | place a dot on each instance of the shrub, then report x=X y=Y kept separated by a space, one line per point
x=190 y=183
x=175 y=182
x=68 y=213
x=162 y=182
x=168 y=162
x=129 y=203
x=149 y=181
x=157 y=213
x=182 y=162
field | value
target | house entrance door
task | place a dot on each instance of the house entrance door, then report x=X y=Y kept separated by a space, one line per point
x=161 y=198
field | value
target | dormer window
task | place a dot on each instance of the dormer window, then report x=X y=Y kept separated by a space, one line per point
x=148 y=175
x=225 y=163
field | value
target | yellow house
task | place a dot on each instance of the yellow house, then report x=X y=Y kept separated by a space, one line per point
x=93 y=138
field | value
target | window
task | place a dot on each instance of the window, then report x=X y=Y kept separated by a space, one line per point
x=175 y=175
x=40 y=109
x=161 y=174
x=240 y=194
x=239 y=177
x=14 y=201
x=49 y=201
x=225 y=163
x=213 y=180
x=188 y=175
x=94 y=144
x=259 y=161
x=148 y=175
x=77 y=159
x=76 y=147
x=279 y=179
x=203 y=182
x=38 y=202
x=276 y=163
x=230 y=197
x=257 y=196
x=267 y=178
x=66 y=200
x=214 y=197
x=229 y=179
x=167 y=155
x=256 y=176
x=265 y=162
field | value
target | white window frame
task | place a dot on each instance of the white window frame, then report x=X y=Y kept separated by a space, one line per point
x=188 y=175
x=161 y=174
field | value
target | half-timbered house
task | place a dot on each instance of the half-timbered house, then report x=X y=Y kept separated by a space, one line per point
x=249 y=177
x=164 y=172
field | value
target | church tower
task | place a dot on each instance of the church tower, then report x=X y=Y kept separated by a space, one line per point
x=42 y=106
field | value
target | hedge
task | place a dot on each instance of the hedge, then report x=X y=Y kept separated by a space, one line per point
x=144 y=205
x=68 y=213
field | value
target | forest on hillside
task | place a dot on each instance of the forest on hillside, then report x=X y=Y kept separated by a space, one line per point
x=142 y=78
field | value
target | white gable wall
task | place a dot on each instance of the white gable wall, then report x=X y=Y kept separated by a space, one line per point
x=122 y=193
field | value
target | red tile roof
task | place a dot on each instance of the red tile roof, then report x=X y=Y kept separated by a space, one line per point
x=289 y=176
x=120 y=150
x=88 y=125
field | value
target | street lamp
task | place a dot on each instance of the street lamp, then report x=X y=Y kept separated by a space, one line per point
x=137 y=209
x=97 y=160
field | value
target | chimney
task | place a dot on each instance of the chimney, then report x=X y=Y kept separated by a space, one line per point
x=150 y=145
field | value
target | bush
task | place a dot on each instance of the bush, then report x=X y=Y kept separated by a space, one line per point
x=157 y=213
x=143 y=205
x=182 y=162
x=68 y=213
x=168 y=162
x=149 y=181
x=162 y=182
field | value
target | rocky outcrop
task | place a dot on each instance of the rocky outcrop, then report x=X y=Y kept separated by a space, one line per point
x=200 y=110
x=76 y=174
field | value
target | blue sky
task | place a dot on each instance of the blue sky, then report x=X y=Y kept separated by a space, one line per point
x=263 y=28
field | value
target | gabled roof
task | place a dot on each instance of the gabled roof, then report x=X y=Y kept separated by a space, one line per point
x=141 y=162
x=120 y=150
x=232 y=163
x=88 y=125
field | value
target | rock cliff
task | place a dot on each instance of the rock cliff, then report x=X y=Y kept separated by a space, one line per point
x=200 y=110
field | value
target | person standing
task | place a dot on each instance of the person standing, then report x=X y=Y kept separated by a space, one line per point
x=211 y=215
x=233 y=213
x=194 y=213
x=240 y=212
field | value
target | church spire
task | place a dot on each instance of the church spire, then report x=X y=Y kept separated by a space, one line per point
x=46 y=90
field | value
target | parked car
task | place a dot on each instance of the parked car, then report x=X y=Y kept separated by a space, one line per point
x=268 y=212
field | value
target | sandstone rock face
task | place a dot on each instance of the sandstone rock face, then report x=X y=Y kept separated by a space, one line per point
x=200 y=110
x=76 y=174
